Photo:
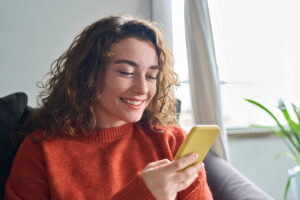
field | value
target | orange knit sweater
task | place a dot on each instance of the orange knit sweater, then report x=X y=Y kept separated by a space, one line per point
x=104 y=165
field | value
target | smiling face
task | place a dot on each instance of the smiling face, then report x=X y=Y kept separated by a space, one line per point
x=130 y=83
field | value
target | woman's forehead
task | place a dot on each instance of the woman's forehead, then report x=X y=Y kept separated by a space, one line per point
x=137 y=50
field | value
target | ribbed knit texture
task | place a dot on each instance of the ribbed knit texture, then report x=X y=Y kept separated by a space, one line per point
x=107 y=164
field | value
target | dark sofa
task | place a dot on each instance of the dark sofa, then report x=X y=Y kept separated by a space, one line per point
x=225 y=182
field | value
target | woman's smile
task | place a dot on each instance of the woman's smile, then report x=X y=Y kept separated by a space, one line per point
x=130 y=83
x=132 y=102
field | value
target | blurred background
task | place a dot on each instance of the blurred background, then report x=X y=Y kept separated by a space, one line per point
x=256 y=43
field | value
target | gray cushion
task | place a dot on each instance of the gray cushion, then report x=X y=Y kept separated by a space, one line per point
x=227 y=183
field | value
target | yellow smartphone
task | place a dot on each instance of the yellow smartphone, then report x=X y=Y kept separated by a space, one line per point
x=199 y=140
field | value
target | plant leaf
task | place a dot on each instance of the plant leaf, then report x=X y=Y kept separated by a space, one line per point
x=270 y=128
x=274 y=130
x=296 y=111
x=283 y=130
x=287 y=186
x=295 y=130
x=297 y=159
x=269 y=112
x=286 y=154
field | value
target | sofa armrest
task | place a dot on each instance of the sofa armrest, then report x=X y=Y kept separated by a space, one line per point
x=227 y=183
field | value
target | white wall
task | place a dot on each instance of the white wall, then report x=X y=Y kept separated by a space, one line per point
x=34 y=33
x=255 y=158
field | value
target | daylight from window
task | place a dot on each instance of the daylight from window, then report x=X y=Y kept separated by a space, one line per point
x=257 y=45
x=181 y=65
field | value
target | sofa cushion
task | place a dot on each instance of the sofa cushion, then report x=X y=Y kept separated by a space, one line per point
x=12 y=108
x=228 y=183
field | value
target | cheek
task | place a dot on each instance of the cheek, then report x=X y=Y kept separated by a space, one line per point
x=113 y=89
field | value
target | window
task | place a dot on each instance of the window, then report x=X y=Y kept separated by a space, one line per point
x=181 y=64
x=257 y=45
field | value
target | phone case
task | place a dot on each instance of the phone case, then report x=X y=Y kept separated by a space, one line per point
x=199 y=140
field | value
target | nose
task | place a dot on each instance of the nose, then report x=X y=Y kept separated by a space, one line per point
x=140 y=85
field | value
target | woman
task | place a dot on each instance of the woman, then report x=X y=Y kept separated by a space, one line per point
x=105 y=129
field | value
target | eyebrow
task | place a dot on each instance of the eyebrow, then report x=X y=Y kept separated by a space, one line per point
x=132 y=63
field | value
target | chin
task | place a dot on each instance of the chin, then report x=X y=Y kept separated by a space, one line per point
x=133 y=119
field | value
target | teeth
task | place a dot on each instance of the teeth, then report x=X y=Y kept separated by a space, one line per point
x=135 y=103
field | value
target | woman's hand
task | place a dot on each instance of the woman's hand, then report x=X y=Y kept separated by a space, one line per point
x=164 y=178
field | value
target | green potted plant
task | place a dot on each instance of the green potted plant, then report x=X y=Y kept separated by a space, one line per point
x=290 y=135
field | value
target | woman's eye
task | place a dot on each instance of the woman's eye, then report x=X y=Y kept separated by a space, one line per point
x=125 y=73
x=152 y=77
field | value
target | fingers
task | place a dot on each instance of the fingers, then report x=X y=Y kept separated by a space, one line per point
x=185 y=184
x=164 y=178
x=187 y=176
x=158 y=163
x=189 y=172
x=183 y=162
x=157 y=181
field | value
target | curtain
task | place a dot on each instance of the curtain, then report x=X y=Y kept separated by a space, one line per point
x=204 y=79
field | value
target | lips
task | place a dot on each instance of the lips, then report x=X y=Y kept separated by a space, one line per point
x=134 y=102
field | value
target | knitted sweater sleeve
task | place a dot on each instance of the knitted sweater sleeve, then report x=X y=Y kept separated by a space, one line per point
x=199 y=190
x=27 y=179
x=134 y=190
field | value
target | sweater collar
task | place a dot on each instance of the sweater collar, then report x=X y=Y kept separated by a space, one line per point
x=108 y=135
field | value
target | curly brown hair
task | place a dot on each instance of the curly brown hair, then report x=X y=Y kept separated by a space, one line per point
x=67 y=97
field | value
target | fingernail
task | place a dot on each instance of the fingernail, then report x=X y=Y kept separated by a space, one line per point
x=196 y=155
x=200 y=165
